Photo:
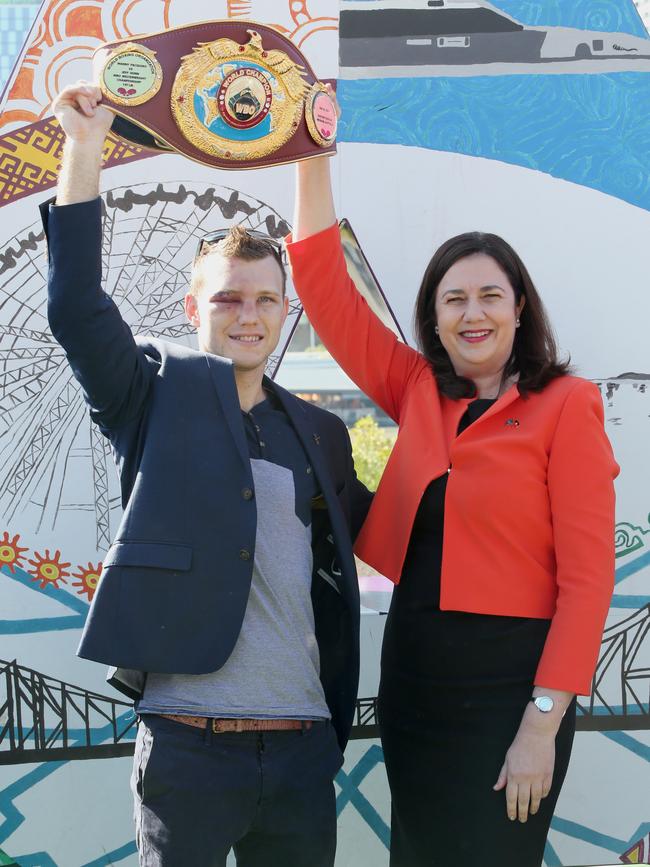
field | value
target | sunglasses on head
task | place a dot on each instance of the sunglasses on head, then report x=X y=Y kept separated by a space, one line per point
x=277 y=248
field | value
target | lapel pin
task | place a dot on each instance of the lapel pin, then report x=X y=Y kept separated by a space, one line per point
x=316 y=439
x=512 y=422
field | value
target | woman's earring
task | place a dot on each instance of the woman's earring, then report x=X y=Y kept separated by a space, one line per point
x=437 y=330
x=517 y=322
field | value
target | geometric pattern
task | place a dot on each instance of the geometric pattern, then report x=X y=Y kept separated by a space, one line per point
x=639 y=853
x=30 y=158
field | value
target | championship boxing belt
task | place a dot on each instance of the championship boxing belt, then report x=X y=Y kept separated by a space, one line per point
x=233 y=94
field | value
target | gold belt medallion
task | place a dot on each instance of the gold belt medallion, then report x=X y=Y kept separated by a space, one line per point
x=131 y=75
x=238 y=102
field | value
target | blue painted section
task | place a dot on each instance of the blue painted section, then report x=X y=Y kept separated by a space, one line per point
x=593 y=130
x=351 y=794
x=618 y=709
x=589 y=835
x=632 y=567
x=595 y=838
x=13 y=818
x=632 y=602
x=639 y=834
x=623 y=739
x=609 y=16
x=36 y=859
x=15 y=23
x=68 y=599
x=551 y=858
x=77 y=737
x=40 y=624
x=114 y=856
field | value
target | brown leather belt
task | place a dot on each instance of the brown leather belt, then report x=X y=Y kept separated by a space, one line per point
x=219 y=726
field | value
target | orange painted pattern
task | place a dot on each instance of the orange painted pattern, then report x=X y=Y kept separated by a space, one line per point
x=71 y=29
x=48 y=570
x=66 y=34
x=86 y=20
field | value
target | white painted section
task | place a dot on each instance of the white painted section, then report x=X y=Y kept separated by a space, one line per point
x=584 y=249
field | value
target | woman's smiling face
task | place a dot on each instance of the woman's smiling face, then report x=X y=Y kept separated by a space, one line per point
x=476 y=315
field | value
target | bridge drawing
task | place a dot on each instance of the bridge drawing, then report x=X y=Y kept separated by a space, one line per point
x=620 y=692
x=44 y=719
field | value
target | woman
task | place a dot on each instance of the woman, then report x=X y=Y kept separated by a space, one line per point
x=496 y=619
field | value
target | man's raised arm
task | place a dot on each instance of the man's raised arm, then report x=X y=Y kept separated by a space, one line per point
x=112 y=370
x=86 y=124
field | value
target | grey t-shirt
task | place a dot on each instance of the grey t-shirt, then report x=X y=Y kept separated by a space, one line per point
x=274 y=668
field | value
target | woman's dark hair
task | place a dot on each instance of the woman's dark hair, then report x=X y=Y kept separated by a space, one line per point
x=534 y=353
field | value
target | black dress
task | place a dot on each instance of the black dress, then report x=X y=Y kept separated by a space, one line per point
x=454 y=687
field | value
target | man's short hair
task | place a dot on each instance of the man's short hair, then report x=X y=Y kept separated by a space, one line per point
x=236 y=243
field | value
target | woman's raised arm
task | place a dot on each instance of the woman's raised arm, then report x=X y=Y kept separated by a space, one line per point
x=366 y=349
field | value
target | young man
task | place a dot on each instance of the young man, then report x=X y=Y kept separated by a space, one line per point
x=231 y=582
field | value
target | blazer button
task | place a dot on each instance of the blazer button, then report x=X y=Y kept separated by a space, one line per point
x=247 y=493
x=244 y=554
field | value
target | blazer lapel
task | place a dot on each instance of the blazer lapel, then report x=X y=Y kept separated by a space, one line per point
x=224 y=384
x=309 y=438
x=505 y=400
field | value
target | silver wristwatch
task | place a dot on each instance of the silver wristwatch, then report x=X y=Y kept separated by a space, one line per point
x=543 y=703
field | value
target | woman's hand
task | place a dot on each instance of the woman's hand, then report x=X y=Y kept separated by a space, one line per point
x=527 y=772
x=332 y=95
x=314 y=203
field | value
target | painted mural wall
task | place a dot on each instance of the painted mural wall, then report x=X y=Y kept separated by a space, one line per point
x=529 y=118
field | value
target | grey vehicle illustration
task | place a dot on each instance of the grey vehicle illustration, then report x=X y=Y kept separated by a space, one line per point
x=453 y=36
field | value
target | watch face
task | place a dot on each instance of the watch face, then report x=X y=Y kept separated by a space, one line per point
x=544 y=703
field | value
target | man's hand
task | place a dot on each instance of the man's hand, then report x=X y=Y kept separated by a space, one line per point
x=80 y=114
x=86 y=124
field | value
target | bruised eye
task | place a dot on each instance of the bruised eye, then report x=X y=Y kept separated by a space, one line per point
x=225 y=299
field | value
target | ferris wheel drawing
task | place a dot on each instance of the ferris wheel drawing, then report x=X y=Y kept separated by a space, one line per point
x=149 y=239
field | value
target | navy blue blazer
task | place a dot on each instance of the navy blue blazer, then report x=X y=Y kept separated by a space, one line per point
x=176 y=580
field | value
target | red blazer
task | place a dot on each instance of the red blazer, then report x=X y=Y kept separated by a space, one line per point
x=529 y=509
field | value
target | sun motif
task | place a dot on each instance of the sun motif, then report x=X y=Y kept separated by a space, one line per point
x=48 y=570
x=88 y=579
x=11 y=553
